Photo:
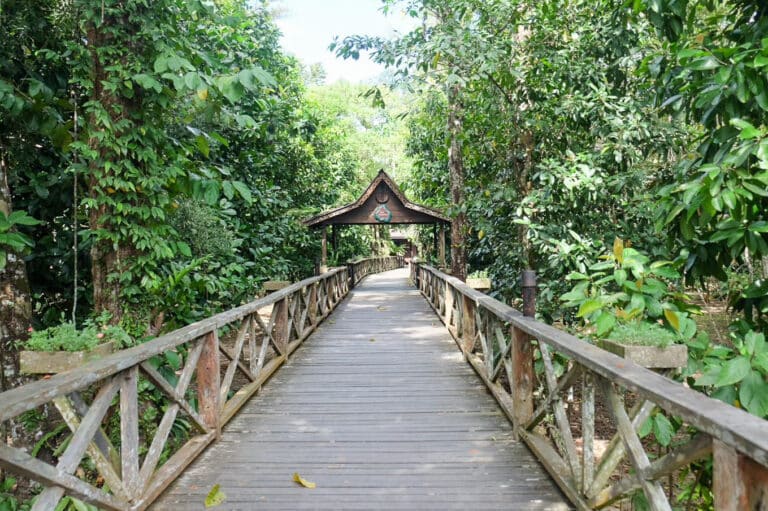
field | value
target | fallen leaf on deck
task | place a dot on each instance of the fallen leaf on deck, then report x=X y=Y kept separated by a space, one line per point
x=306 y=484
x=215 y=497
x=382 y=308
x=371 y=340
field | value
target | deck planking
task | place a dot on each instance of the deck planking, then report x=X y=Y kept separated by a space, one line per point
x=380 y=410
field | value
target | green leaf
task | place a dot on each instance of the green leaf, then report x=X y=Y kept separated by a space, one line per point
x=215 y=497
x=605 y=323
x=755 y=342
x=203 y=146
x=749 y=133
x=726 y=394
x=147 y=82
x=574 y=275
x=22 y=218
x=228 y=189
x=646 y=428
x=704 y=63
x=161 y=64
x=243 y=190
x=709 y=377
x=753 y=394
x=184 y=249
x=589 y=307
x=662 y=429
x=620 y=276
x=673 y=318
x=733 y=371
x=605 y=265
x=761 y=60
x=173 y=359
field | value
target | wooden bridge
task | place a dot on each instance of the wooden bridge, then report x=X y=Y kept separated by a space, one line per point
x=380 y=409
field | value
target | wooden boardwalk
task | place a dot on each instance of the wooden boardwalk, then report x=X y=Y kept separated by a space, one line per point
x=379 y=409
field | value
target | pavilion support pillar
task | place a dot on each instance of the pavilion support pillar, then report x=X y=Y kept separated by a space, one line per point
x=434 y=238
x=334 y=238
x=324 y=251
x=441 y=246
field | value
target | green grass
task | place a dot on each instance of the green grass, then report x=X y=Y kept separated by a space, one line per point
x=643 y=333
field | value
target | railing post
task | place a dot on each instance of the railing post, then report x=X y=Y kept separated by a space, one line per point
x=351 y=271
x=522 y=356
x=468 y=324
x=739 y=482
x=312 y=305
x=280 y=329
x=209 y=382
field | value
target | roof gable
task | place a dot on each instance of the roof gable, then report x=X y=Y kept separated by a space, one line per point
x=381 y=203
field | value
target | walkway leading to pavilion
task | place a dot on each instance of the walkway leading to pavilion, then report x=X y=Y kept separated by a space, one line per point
x=380 y=411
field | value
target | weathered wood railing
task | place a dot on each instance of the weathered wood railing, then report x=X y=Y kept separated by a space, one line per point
x=501 y=344
x=219 y=364
x=361 y=268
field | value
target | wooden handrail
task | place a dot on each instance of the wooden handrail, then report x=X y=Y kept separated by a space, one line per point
x=202 y=389
x=489 y=345
x=361 y=268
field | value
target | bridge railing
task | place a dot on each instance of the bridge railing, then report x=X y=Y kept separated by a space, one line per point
x=198 y=377
x=503 y=346
x=361 y=268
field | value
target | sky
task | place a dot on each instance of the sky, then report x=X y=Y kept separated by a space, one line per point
x=309 y=26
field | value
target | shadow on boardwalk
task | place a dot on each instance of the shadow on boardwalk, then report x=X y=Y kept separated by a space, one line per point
x=379 y=409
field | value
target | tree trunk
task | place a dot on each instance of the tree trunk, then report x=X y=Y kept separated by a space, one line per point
x=524 y=186
x=107 y=259
x=15 y=320
x=15 y=297
x=456 y=171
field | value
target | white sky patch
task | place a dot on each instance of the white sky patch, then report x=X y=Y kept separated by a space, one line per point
x=309 y=27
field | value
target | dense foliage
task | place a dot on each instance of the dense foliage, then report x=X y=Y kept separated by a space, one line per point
x=157 y=158
x=172 y=144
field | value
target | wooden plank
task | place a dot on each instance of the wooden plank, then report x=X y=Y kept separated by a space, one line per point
x=173 y=468
x=21 y=463
x=208 y=384
x=523 y=377
x=652 y=489
x=129 y=431
x=566 y=381
x=81 y=440
x=234 y=360
x=739 y=482
x=587 y=431
x=280 y=331
x=614 y=454
x=171 y=392
x=697 y=448
x=104 y=464
x=555 y=465
x=561 y=418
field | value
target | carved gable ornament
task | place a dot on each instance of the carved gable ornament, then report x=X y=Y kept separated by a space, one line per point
x=382 y=214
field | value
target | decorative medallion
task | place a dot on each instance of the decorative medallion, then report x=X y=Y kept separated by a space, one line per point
x=382 y=214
